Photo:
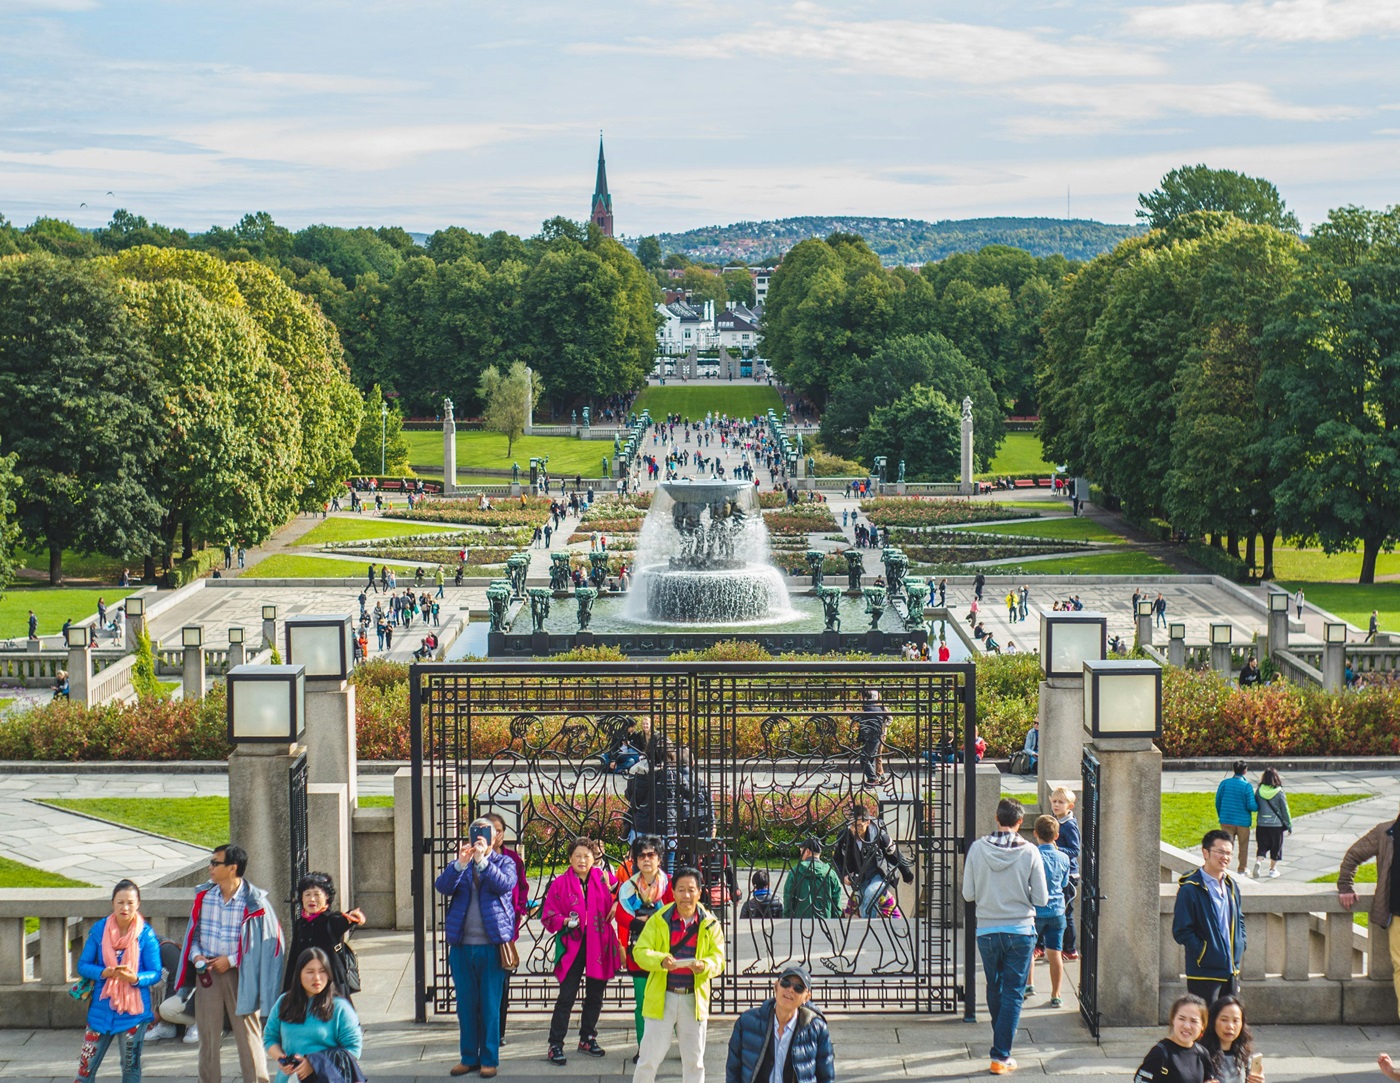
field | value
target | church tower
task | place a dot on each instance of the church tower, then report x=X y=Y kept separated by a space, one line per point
x=602 y=202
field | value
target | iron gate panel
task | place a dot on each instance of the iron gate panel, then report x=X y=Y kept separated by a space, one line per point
x=298 y=830
x=1089 y=895
x=766 y=753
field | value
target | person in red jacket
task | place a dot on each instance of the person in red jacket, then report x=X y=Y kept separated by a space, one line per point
x=641 y=895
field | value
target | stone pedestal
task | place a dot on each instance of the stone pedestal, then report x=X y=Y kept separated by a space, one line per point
x=269 y=633
x=332 y=764
x=329 y=835
x=965 y=478
x=1061 y=717
x=1220 y=659
x=449 y=455
x=237 y=654
x=1278 y=632
x=1334 y=666
x=259 y=812
x=1144 y=631
x=1176 y=652
x=80 y=675
x=1130 y=819
x=405 y=843
x=192 y=685
x=135 y=626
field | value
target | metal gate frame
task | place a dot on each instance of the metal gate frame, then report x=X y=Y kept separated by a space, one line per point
x=298 y=831
x=706 y=704
x=1089 y=895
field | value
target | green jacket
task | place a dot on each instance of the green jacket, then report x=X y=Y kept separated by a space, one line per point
x=655 y=944
x=813 y=890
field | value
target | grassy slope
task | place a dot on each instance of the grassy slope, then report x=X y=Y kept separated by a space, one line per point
x=695 y=402
x=17 y=874
x=51 y=605
x=1064 y=529
x=1313 y=565
x=1188 y=816
x=1353 y=602
x=488 y=449
x=291 y=566
x=1131 y=563
x=1020 y=453
x=355 y=528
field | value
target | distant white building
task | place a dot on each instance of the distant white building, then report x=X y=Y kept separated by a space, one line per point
x=761 y=278
x=685 y=327
x=737 y=328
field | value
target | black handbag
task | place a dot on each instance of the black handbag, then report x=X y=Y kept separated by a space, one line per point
x=349 y=966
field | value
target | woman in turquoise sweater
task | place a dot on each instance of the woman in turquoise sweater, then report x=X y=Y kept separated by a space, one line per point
x=310 y=1029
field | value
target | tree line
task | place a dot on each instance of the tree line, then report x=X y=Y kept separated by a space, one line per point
x=1233 y=379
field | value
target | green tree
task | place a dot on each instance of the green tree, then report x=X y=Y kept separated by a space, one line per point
x=1335 y=350
x=902 y=362
x=9 y=528
x=453 y=243
x=80 y=401
x=509 y=399
x=921 y=427
x=60 y=238
x=381 y=438
x=1200 y=188
x=649 y=252
x=348 y=253
x=705 y=286
x=738 y=282
x=127 y=230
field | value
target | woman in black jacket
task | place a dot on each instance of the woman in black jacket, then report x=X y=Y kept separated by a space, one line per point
x=318 y=925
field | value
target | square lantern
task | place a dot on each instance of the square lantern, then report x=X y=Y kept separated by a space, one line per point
x=1221 y=634
x=266 y=704
x=1123 y=698
x=269 y=612
x=1145 y=607
x=235 y=635
x=1334 y=633
x=1176 y=631
x=77 y=637
x=135 y=606
x=192 y=635
x=1068 y=640
x=321 y=644
x=1278 y=602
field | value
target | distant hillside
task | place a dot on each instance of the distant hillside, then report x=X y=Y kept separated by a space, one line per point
x=900 y=240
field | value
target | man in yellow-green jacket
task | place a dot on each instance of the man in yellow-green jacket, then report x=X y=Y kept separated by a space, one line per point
x=681 y=948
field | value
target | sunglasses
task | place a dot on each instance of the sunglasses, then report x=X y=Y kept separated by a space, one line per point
x=212 y=862
x=795 y=984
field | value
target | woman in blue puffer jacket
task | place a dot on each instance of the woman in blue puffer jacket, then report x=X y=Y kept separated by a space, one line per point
x=757 y=1033
x=122 y=959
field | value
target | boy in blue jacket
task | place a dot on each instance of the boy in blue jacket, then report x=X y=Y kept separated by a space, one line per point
x=1050 y=918
x=1208 y=922
x=1235 y=806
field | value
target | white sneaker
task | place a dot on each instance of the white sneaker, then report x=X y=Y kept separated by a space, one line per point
x=1255 y=873
x=191 y=1035
x=1273 y=873
x=160 y=1032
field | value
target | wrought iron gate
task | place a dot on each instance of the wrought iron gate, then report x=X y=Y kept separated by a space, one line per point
x=744 y=761
x=1089 y=897
x=298 y=831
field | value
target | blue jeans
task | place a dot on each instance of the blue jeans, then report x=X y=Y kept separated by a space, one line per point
x=480 y=982
x=1006 y=962
x=871 y=892
x=95 y=1047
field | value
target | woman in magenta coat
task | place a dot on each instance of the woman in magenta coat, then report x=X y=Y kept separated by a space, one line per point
x=579 y=907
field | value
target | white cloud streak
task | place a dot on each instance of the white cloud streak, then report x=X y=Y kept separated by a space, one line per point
x=1281 y=21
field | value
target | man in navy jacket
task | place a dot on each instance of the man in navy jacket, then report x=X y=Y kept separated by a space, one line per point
x=1208 y=922
x=782 y=1030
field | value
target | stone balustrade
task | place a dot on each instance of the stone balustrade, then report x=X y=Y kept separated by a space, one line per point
x=113 y=682
x=1307 y=960
x=1362 y=659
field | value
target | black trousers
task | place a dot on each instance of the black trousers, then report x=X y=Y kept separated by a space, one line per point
x=568 y=993
x=1209 y=990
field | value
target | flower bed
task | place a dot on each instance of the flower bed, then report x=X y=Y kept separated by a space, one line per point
x=476 y=555
x=935 y=511
x=438 y=539
x=800 y=519
x=508 y=511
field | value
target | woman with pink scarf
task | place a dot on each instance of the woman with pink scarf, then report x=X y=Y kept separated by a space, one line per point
x=122 y=959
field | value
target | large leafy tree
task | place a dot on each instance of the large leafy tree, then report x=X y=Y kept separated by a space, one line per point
x=380 y=442
x=509 y=397
x=80 y=401
x=9 y=528
x=921 y=427
x=902 y=362
x=1337 y=379
x=1200 y=188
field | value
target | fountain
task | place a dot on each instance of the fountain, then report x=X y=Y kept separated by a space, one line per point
x=702 y=558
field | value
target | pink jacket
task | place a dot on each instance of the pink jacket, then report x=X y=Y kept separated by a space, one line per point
x=599 y=934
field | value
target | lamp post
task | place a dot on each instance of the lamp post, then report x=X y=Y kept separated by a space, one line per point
x=1334 y=656
x=1220 y=637
x=1176 y=644
x=269 y=628
x=1067 y=640
x=78 y=640
x=266 y=715
x=192 y=640
x=1121 y=814
x=237 y=649
x=383 y=436
x=1278 y=622
x=1145 y=613
x=135 y=606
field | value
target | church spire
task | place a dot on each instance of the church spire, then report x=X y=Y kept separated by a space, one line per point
x=601 y=211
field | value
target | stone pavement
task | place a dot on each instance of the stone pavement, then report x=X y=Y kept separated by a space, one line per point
x=872 y=1046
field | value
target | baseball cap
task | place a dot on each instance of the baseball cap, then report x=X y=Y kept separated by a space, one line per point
x=797 y=972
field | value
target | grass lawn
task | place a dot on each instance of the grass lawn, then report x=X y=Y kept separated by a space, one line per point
x=1129 y=563
x=1351 y=601
x=1313 y=565
x=567 y=455
x=1049 y=506
x=358 y=528
x=291 y=566
x=52 y=605
x=16 y=874
x=745 y=400
x=1065 y=528
x=5 y=702
x=78 y=565
x=1020 y=453
x=202 y=821
x=1188 y=816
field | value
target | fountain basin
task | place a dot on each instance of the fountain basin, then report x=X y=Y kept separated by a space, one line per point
x=714 y=596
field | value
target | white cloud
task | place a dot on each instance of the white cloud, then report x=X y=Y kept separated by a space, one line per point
x=1288 y=21
x=47 y=7
x=947 y=51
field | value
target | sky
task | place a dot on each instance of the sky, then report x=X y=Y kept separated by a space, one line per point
x=486 y=115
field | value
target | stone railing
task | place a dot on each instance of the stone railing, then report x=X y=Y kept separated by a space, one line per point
x=1306 y=961
x=36 y=970
x=112 y=682
x=1362 y=659
x=170 y=661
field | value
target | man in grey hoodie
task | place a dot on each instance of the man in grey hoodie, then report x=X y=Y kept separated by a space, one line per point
x=1005 y=877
